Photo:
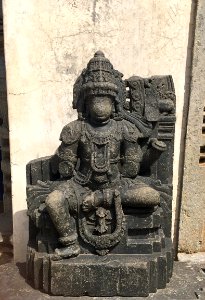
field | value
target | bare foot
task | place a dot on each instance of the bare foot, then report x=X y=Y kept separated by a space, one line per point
x=66 y=252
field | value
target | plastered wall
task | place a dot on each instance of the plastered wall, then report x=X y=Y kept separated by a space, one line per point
x=192 y=219
x=48 y=43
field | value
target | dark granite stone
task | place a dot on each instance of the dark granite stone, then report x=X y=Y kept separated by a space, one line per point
x=110 y=275
x=100 y=207
x=100 y=277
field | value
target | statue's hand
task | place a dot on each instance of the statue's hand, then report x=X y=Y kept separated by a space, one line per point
x=88 y=202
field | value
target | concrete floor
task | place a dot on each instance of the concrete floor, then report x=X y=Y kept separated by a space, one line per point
x=188 y=282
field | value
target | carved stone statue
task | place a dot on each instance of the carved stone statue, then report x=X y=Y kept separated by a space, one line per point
x=107 y=189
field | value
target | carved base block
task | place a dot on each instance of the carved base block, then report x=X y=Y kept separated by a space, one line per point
x=112 y=275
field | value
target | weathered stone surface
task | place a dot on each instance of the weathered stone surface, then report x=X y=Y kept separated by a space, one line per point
x=151 y=220
x=113 y=275
x=110 y=276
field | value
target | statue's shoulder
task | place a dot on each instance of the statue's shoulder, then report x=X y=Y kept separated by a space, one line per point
x=71 y=132
x=130 y=131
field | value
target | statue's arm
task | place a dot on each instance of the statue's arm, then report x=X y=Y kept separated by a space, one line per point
x=65 y=158
x=132 y=159
x=152 y=150
x=132 y=152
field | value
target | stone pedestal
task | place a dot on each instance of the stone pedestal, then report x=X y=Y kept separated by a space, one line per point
x=140 y=264
x=133 y=275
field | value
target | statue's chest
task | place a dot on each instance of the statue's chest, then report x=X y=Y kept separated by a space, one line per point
x=100 y=148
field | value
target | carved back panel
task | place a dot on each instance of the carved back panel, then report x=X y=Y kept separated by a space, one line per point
x=154 y=99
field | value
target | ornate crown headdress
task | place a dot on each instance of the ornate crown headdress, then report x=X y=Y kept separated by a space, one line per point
x=99 y=78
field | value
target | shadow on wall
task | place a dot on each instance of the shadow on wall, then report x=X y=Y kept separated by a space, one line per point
x=5 y=181
x=6 y=254
x=6 y=247
x=22 y=269
x=20 y=221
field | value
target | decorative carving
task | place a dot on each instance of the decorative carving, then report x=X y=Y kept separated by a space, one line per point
x=104 y=175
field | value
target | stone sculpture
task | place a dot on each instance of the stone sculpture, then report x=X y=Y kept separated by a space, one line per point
x=100 y=207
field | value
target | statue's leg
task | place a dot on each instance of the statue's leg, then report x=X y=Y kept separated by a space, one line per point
x=140 y=196
x=57 y=207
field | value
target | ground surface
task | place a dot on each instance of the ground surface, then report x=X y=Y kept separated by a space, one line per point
x=188 y=282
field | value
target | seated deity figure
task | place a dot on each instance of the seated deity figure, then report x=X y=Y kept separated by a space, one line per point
x=98 y=160
x=107 y=190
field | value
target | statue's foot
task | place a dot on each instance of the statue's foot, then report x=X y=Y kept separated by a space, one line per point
x=66 y=252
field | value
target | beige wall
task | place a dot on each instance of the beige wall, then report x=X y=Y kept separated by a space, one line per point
x=192 y=219
x=47 y=43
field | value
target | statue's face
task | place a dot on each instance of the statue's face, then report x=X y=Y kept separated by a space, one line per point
x=100 y=108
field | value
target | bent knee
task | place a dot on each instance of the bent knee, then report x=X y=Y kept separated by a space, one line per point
x=145 y=196
x=54 y=198
x=153 y=196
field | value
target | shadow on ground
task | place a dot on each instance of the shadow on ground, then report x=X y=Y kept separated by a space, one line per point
x=22 y=269
x=6 y=254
